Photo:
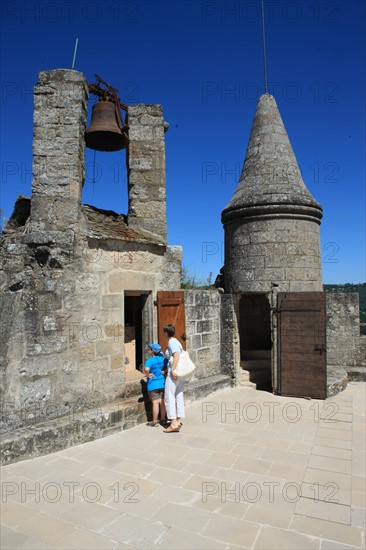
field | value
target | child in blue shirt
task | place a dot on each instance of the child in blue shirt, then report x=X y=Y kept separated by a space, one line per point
x=155 y=382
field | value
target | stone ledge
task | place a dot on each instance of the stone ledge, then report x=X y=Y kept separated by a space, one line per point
x=201 y=388
x=207 y=385
x=337 y=380
x=356 y=374
x=55 y=435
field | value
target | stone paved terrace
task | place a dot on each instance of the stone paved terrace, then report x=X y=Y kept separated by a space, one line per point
x=248 y=470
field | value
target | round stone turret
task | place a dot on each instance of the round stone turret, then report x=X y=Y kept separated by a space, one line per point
x=272 y=221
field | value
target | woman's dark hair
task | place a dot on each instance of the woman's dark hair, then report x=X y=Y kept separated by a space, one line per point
x=169 y=330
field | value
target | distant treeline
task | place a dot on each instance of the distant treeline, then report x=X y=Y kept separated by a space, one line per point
x=351 y=287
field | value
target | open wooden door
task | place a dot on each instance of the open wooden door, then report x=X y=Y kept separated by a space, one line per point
x=171 y=311
x=302 y=357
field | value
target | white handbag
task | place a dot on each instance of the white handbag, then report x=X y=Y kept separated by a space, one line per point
x=185 y=365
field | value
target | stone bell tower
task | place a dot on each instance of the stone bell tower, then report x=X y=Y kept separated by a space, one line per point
x=272 y=246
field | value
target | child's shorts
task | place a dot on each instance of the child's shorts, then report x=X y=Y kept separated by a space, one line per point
x=156 y=394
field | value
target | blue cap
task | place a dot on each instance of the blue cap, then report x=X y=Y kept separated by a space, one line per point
x=156 y=348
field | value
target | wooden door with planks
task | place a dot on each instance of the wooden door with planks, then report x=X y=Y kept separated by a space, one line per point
x=302 y=357
x=171 y=311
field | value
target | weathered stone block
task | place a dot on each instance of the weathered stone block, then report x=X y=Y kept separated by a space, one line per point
x=111 y=302
x=106 y=347
x=116 y=361
x=142 y=163
x=211 y=338
x=151 y=120
x=49 y=303
x=115 y=331
x=196 y=342
x=205 y=355
x=207 y=325
x=50 y=324
x=36 y=367
x=141 y=133
x=47 y=345
x=71 y=366
x=36 y=391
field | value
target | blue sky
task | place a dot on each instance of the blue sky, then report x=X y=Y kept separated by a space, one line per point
x=203 y=61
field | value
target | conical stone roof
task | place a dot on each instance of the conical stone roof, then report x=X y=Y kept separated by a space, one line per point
x=270 y=184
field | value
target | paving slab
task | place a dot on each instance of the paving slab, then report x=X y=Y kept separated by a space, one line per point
x=248 y=470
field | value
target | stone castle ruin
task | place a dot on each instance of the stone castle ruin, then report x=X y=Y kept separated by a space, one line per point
x=83 y=290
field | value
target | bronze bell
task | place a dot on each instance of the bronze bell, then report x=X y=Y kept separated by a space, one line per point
x=104 y=133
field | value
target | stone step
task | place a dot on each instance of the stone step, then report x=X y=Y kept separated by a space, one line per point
x=337 y=380
x=255 y=364
x=200 y=388
x=244 y=381
x=247 y=385
x=258 y=371
x=255 y=354
x=356 y=374
x=259 y=377
x=133 y=388
x=245 y=375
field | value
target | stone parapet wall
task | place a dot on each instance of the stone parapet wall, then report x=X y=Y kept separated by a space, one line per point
x=203 y=327
x=74 y=428
x=345 y=346
x=212 y=333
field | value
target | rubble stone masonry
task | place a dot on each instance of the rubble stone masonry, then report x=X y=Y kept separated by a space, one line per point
x=65 y=267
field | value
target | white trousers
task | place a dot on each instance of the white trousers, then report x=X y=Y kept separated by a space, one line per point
x=174 y=398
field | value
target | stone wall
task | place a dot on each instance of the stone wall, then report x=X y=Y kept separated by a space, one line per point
x=203 y=327
x=65 y=268
x=146 y=170
x=212 y=333
x=230 y=340
x=64 y=329
x=279 y=251
x=60 y=111
x=346 y=348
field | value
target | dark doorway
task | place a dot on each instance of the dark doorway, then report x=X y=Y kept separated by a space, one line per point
x=255 y=339
x=138 y=329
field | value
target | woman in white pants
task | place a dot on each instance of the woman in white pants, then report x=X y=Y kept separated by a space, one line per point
x=174 y=388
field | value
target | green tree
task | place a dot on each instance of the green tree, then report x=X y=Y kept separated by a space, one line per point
x=191 y=280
